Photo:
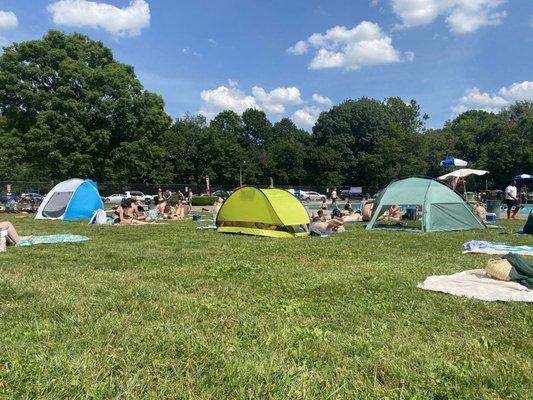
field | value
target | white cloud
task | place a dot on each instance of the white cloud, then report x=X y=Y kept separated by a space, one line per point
x=275 y=100
x=224 y=98
x=232 y=98
x=122 y=22
x=340 y=47
x=518 y=91
x=325 y=101
x=462 y=16
x=474 y=99
x=298 y=49
x=8 y=20
x=306 y=117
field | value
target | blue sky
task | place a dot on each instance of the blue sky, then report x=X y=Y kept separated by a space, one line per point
x=287 y=57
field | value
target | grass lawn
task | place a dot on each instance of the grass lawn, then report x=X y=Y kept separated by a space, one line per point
x=164 y=311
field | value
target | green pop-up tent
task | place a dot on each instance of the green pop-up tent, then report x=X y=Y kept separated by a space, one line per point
x=263 y=212
x=440 y=207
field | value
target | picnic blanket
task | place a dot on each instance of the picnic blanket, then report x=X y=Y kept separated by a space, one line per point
x=479 y=246
x=50 y=239
x=477 y=284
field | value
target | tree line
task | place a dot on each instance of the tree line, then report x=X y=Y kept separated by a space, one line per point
x=69 y=109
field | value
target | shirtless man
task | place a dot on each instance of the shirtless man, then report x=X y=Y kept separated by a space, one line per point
x=367 y=210
x=326 y=227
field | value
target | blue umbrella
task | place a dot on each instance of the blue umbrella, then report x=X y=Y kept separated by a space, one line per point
x=524 y=176
x=453 y=162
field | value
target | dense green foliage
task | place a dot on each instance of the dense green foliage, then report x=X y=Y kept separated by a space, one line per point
x=166 y=312
x=69 y=109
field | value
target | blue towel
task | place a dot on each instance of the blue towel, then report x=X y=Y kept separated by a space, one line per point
x=50 y=239
x=479 y=244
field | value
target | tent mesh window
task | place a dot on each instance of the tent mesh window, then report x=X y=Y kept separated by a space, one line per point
x=411 y=217
x=57 y=205
x=262 y=226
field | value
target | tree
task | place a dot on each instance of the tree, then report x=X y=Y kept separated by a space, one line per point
x=77 y=112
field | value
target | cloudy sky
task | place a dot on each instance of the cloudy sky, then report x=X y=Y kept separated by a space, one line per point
x=295 y=58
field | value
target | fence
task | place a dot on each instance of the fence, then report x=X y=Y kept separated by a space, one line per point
x=109 y=188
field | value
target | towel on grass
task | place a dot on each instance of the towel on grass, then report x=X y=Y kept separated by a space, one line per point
x=51 y=239
x=477 y=284
x=479 y=246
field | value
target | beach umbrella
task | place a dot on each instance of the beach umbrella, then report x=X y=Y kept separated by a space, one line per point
x=524 y=176
x=463 y=173
x=453 y=162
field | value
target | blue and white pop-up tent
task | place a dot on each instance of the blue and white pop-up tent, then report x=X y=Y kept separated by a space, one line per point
x=524 y=176
x=453 y=162
x=71 y=200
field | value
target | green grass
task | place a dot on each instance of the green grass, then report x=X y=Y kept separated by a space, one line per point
x=164 y=311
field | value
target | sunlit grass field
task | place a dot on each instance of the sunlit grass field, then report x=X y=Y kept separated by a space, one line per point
x=165 y=311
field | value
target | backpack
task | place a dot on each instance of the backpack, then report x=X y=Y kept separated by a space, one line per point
x=99 y=217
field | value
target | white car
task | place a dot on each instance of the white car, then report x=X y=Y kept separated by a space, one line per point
x=312 y=196
x=136 y=195
x=115 y=198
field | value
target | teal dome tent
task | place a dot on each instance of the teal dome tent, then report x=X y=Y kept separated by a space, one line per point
x=430 y=206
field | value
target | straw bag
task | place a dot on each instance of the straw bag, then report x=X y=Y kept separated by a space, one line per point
x=499 y=268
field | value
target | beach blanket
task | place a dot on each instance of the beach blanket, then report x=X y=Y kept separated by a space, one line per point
x=479 y=246
x=477 y=284
x=50 y=239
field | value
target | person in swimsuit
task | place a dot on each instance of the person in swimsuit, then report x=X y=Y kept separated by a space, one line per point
x=12 y=235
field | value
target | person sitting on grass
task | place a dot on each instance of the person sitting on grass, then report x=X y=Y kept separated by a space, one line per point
x=138 y=211
x=12 y=235
x=324 y=205
x=318 y=216
x=394 y=212
x=367 y=210
x=125 y=214
x=480 y=211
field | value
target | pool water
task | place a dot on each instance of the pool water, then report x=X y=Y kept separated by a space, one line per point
x=526 y=209
x=316 y=207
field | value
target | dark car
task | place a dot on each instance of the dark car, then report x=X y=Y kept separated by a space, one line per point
x=352 y=193
x=221 y=193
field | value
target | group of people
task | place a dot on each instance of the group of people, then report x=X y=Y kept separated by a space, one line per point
x=131 y=211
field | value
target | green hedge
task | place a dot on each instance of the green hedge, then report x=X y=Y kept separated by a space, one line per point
x=204 y=200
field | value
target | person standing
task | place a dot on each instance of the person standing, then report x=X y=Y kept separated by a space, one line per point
x=334 y=197
x=511 y=200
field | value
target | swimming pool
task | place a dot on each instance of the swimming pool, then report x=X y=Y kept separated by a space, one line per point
x=526 y=209
x=316 y=207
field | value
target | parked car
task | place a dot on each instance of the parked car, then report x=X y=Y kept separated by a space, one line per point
x=35 y=197
x=312 y=196
x=221 y=193
x=137 y=195
x=114 y=198
x=351 y=193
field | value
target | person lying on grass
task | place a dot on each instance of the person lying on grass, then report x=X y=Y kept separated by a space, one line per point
x=12 y=235
x=323 y=227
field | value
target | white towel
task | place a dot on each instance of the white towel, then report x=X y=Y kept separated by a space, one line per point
x=477 y=284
